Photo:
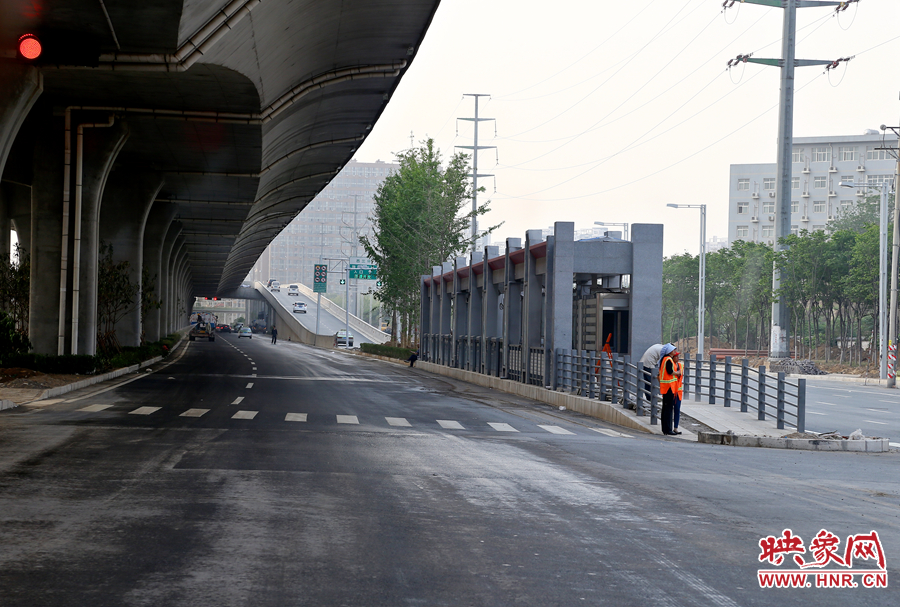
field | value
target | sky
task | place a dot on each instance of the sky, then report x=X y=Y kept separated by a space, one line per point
x=608 y=111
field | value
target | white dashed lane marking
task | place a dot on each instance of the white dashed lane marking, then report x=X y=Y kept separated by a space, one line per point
x=194 y=413
x=95 y=408
x=555 y=429
x=398 y=421
x=450 y=425
x=250 y=385
x=144 y=410
x=612 y=433
x=814 y=413
x=295 y=417
x=499 y=427
x=244 y=415
x=870 y=421
x=347 y=419
x=238 y=400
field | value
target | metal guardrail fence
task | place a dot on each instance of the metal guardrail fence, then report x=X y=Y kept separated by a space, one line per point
x=617 y=380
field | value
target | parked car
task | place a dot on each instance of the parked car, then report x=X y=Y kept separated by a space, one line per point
x=293 y=290
x=276 y=286
x=245 y=332
x=299 y=306
x=340 y=339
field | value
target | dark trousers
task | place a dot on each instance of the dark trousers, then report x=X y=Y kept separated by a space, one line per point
x=668 y=407
x=274 y=337
x=677 y=411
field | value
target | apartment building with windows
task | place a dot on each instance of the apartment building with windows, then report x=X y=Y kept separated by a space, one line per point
x=819 y=165
x=328 y=228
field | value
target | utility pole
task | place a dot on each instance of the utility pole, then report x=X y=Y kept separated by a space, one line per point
x=780 y=344
x=474 y=174
x=895 y=261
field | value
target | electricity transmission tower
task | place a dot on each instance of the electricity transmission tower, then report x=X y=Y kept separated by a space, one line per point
x=475 y=174
x=779 y=344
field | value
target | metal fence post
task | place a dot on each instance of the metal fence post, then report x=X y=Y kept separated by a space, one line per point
x=639 y=388
x=745 y=384
x=761 y=403
x=592 y=373
x=779 y=402
x=686 y=383
x=801 y=405
x=727 y=381
x=601 y=379
x=654 y=402
x=697 y=372
x=615 y=383
x=712 y=379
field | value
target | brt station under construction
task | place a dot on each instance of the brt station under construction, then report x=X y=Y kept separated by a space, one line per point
x=514 y=315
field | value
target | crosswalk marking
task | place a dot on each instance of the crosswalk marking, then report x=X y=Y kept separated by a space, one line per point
x=555 y=429
x=194 y=413
x=499 y=427
x=250 y=385
x=397 y=421
x=238 y=400
x=450 y=425
x=95 y=408
x=894 y=444
x=612 y=433
x=144 y=410
x=295 y=417
x=244 y=415
x=254 y=369
x=347 y=419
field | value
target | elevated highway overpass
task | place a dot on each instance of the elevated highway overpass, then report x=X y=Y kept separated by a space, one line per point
x=184 y=134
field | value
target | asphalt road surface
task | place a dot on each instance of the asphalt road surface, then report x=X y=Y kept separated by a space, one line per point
x=844 y=407
x=244 y=473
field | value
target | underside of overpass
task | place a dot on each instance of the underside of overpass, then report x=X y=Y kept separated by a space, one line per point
x=184 y=133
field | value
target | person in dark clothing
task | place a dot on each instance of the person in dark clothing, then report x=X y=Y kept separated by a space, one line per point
x=413 y=358
x=274 y=335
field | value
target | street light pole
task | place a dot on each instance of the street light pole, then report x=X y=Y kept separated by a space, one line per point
x=701 y=312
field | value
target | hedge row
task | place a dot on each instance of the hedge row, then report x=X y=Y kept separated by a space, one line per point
x=84 y=364
x=384 y=350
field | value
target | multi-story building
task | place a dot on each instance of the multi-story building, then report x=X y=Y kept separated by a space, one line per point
x=328 y=228
x=819 y=165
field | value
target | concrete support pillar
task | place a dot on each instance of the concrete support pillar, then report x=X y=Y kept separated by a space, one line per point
x=101 y=146
x=22 y=85
x=559 y=300
x=155 y=233
x=127 y=201
x=512 y=302
x=46 y=234
x=490 y=310
x=165 y=276
x=532 y=303
x=645 y=319
x=176 y=299
x=473 y=322
x=460 y=299
x=444 y=318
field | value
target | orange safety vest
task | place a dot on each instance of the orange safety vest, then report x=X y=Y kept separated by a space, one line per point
x=667 y=381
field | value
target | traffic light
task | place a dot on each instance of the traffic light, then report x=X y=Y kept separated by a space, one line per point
x=30 y=47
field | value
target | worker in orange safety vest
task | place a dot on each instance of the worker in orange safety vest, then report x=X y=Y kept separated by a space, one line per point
x=668 y=387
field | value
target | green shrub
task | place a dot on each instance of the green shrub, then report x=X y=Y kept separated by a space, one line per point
x=389 y=351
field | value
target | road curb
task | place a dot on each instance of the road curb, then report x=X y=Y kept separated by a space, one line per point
x=867 y=445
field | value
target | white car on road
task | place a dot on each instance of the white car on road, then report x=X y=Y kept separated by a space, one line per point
x=293 y=290
x=276 y=287
x=299 y=306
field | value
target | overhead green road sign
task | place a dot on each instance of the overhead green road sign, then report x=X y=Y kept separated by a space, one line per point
x=363 y=268
x=320 y=278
